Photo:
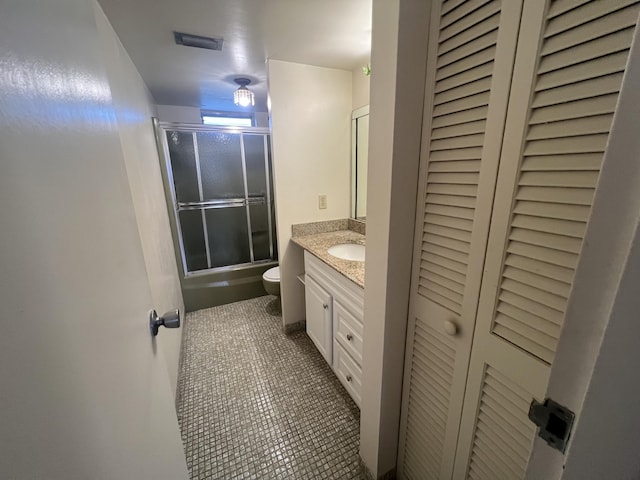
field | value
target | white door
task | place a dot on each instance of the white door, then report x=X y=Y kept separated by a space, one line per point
x=468 y=78
x=569 y=65
x=465 y=416
x=85 y=392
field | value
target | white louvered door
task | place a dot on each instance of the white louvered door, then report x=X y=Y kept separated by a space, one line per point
x=569 y=64
x=472 y=47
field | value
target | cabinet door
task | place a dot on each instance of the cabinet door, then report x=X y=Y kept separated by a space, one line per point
x=570 y=60
x=319 y=317
x=472 y=45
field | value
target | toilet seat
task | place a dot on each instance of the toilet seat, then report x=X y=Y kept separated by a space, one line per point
x=272 y=275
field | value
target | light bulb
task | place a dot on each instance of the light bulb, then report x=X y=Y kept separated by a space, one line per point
x=243 y=97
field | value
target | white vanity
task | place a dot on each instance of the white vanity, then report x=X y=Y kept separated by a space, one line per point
x=334 y=296
x=335 y=309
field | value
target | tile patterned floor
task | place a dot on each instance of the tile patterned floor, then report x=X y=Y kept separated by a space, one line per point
x=254 y=403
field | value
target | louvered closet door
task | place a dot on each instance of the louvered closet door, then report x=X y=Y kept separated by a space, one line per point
x=569 y=65
x=470 y=62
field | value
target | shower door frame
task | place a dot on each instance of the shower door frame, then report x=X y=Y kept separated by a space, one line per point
x=161 y=129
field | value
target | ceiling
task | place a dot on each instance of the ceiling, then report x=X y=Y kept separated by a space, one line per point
x=325 y=33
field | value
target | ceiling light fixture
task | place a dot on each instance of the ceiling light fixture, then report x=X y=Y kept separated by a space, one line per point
x=243 y=97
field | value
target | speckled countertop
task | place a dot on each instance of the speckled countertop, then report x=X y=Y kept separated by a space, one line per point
x=318 y=243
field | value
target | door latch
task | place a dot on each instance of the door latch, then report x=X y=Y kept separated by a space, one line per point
x=554 y=420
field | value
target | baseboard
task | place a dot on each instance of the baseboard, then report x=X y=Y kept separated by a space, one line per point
x=294 y=327
x=390 y=475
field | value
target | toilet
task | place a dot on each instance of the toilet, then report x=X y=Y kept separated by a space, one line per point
x=271 y=281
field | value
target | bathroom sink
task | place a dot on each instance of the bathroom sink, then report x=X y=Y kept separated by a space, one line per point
x=348 y=251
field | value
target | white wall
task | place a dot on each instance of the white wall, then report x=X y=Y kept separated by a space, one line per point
x=178 y=114
x=84 y=393
x=399 y=44
x=606 y=437
x=134 y=108
x=175 y=113
x=262 y=119
x=360 y=88
x=311 y=135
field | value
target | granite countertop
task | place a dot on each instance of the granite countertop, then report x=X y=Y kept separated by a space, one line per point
x=318 y=243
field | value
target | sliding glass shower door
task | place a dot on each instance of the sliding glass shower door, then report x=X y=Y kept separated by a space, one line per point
x=221 y=186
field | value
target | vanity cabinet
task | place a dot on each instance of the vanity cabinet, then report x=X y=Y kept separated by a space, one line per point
x=335 y=309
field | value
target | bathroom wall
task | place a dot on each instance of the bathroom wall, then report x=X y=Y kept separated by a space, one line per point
x=398 y=51
x=176 y=113
x=134 y=108
x=262 y=119
x=360 y=88
x=311 y=134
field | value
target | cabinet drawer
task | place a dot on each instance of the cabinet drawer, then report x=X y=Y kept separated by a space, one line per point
x=347 y=371
x=347 y=330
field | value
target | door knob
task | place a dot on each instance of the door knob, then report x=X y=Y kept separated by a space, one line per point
x=169 y=320
x=450 y=327
x=348 y=377
x=349 y=337
x=325 y=306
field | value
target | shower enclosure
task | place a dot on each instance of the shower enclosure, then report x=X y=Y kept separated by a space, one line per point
x=218 y=184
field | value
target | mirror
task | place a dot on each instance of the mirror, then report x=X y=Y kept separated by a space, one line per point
x=359 y=162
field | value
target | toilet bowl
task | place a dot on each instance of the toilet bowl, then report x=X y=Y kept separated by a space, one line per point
x=271 y=281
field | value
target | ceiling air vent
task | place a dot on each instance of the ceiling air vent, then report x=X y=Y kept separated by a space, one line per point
x=197 y=41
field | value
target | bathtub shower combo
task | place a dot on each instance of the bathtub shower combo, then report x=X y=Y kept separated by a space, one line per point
x=219 y=189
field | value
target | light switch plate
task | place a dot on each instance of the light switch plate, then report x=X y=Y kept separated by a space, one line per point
x=322 y=202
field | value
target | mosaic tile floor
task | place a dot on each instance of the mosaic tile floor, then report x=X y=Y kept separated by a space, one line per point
x=254 y=403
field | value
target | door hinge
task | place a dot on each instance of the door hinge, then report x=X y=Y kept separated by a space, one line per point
x=554 y=420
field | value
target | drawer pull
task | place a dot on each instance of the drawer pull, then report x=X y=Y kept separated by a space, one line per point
x=325 y=306
x=349 y=378
x=349 y=337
